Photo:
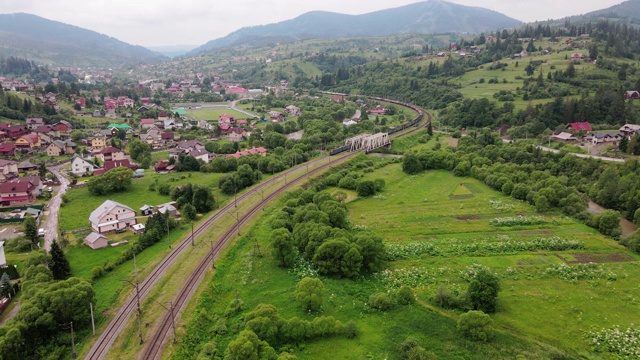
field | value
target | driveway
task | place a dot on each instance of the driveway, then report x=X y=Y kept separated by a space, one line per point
x=51 y=225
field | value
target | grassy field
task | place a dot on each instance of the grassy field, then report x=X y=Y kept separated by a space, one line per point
x=442 y=227
x=75 y=214
x=213 y=114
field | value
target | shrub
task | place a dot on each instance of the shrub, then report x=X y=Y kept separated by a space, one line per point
x=476 y=326
x=351 y=330
x=483 y=291
x=309 y=293
x=366 y=188
x=97 y=272
x=380 y=301
x=405 y=296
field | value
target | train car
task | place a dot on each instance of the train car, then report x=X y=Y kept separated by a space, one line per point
x=339 y=150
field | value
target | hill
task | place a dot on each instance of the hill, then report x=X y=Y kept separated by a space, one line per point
x=55 y=43
x=172 y=50
x=426 y=17
x=627 y=12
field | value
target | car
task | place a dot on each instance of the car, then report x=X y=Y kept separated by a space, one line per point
x=41 y=232
x=50 y=189
x=120 y=231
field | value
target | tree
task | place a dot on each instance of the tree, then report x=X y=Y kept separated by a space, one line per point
x=411 y=164
x=247 y=346
x=366 y=188
x=203 y=199
x=42 y=170
x=338 y=257
x=114 y=180
x=570 y=71
x=283 y=246
x=476 y=326
x=139 y=150
x=189 y=212
x=309 y=293
x=483 y=291
x=429 y=129
x=5 y=285
x=609 y=223
x=30 y=229
x=59 y=264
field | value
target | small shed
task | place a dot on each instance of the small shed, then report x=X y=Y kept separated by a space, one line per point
x=170 y=208
x=3 y=259
x=146 y=210
x=138 y=228
x=96 y=241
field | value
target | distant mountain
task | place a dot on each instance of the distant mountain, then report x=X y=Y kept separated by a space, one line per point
x=172 y=50
x=55 y=43
x=432 y=16
x=627 y=12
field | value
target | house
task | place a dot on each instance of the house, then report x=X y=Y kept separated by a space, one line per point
x=237 y=134
x=33 y=123
x=185 y=147
x=82 y=102
x=204 y=125
x=146 y=210
x=172 y=124
x=138 y=228
x=110 y=153
x=13 y=131
x=8 y=169
x=82 y=167
x=14 y=193
x=114 y=127
x=167 y=136
x=96 y=241
x=3 y=259
x=226 y=119
x=111 y=216
x=632 y=95
x=27 y=166
x=169 y=207
x=580 y=126
x=7 y=149
x=629 y=129
x=276 y=116
x=162 y=165
x=201 y=154
x=379 y=110
x=147 y=123
x=152 y=137
x=293 y=110
x=98 y=143
x=600 y=138
x=112 y=164
x=564 y=136
x=59 y=147
x=28 y=142
x=577 y=57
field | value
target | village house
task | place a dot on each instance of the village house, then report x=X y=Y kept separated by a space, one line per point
x=293 y=110
x=59 y=147
x=276 y=116
x=33 y=123
x=147 y=123
x=379 y=110
x=577 y=57
x=8 y=169
x=163 y=165
x=28 y=142
x=579 y=126
x=14 y=193
x=3 y=259
x=111 y=216
x=13 y=131
x=112 y=164
x=632 y=95
x=167 y=136
x=564 y=136
x=27 y=165
x=169 y=208
x=226 y=119
x=236 y=134
x=98 y=143
x=600 y=138
x=7 y=149
x=630 y=129
x=82 y=167
x=146 y=210
x=110 y=153
x=185 y=147
x=96 y=241
x=204 y=125
x=151 y=137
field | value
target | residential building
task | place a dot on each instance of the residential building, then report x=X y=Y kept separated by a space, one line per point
x=7 y=149
x=109 y=165
x=8 y=169
x=33 y=123
x=59 y=147
x=630 y=129
x=111 y=216
x=14 y=193
x=237 y=134
x=96 y=241
x=276 y=116
x=147 y=123
x=82 y=167
x=110 y=153
x=293 y=110
x=98 y=143
x=3 y=259
x=580 y=126
x=564 y=136
x=632 y=95
x=185 y=147
x=28 y=142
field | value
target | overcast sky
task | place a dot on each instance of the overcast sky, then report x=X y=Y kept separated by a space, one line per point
x=171 y=22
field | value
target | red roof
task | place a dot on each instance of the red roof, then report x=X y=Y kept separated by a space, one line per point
x=224 y=127
x=13 y=187
x=236 y=90
x=43 y=129
x=242 y=121
x=7 y=147
x=149 y=121
x=14 y=198
x=32 y=138
x=108 y=165
x=580 y=126
x=167 y=135
x=110 y=150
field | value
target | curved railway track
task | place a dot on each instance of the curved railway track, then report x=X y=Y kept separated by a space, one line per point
x=155 y=345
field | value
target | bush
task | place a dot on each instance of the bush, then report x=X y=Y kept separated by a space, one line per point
x=483 y=291
x=309 y=293
x=380 y=301
x=97 y=272
x=447 y=299
x=476 y=326
x=351 y=330
x=366 y=188
x=406 y=296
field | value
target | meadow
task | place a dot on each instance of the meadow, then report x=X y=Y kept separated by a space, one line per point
x=560 y=279
x=213 y=114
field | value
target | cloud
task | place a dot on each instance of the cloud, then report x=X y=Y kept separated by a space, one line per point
x=170 y=22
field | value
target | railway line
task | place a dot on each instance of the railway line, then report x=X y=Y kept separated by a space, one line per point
x=155 y=345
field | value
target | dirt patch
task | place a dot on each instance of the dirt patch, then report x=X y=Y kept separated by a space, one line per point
x=472 y=217
x=452 y=142
x=535 y=232
x=582 y=258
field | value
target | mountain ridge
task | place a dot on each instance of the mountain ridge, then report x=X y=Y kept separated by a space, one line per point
x=421 y=17
x=51 y=42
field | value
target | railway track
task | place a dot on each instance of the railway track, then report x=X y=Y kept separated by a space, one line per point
x=155 y=345
x=102 y=345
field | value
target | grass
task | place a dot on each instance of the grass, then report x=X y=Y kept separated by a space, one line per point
x=75 y=213
x=538 y=313
x=213 y=114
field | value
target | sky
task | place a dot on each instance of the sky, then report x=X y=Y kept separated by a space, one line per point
x=194 y=22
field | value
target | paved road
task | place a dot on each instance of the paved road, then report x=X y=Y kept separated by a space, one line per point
x=246 y=112
x=10 y=314
x=584 y=156
x=51 y=225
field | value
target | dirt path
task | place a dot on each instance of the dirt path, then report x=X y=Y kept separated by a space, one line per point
x=51 y=225
x=10 y=314
x=627 y=226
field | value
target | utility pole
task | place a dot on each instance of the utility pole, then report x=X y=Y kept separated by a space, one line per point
x=173 y=323
x=93 y=323
x=73 y=342
x=135 y=267
x=192 y=241
x=168 y=230
x=235 y=194
x=213 y=256
x=238 y=222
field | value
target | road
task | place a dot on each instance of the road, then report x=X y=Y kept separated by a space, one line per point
x=51 y=225
x=246 y=112
x=583 y=156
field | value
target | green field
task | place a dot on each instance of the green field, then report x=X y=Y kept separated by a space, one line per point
x=440 y=227
x=213 y=114
x=75 y=214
